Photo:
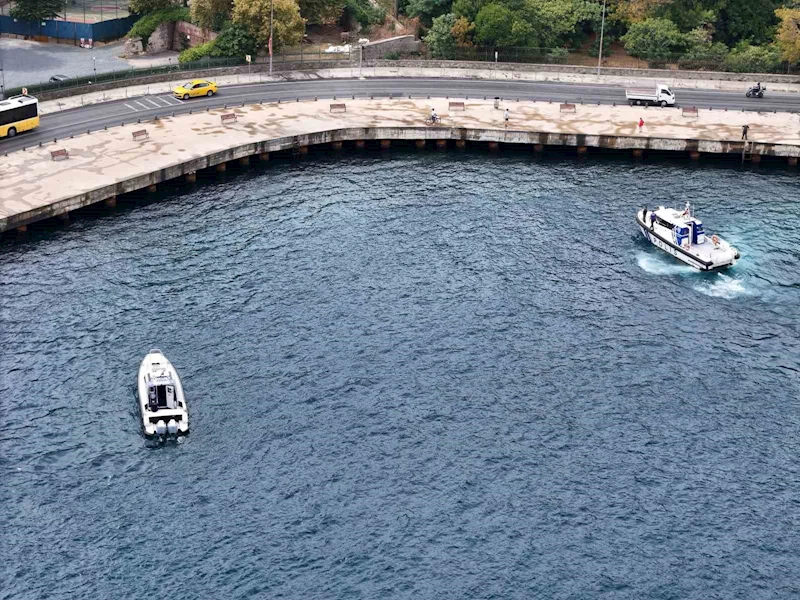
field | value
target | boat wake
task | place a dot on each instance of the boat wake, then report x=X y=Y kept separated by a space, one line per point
x=655 y=265
x=722 y=286
x=716 y=285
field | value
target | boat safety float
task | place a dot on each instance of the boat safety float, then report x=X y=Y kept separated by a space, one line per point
x=682 y=235
x=161 y=399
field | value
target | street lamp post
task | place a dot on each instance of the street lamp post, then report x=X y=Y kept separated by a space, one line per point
x=602 y=28
x=271 y=16
x=360 y=60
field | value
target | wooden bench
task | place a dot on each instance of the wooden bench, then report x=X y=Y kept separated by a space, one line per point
x=338 y=108
x=689 y=111
x=140 y=135
x=228 y=118
x=456 y=106
x=54 y=154
x=567 y=108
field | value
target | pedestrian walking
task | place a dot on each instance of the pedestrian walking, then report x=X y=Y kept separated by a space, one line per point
x=641 y=124
x=744 y=131
x=505 y=117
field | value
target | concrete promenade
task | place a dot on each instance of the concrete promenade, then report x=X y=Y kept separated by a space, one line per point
x=105 y=164
x=487 y=74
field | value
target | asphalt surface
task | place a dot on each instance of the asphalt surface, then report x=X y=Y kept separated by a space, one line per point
x=80 y=120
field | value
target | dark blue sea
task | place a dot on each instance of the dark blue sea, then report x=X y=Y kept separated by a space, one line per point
x=411 y=376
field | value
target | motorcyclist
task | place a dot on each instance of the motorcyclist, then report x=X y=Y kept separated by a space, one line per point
x=758 y=87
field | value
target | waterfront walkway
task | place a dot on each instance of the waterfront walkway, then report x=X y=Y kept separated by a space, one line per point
x=104 y=164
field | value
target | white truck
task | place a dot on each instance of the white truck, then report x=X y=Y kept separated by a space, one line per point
x=658 y=94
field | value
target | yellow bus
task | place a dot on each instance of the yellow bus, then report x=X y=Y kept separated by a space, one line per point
x=18 y=114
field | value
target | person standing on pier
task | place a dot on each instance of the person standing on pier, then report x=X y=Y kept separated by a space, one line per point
x=641 y=124
x=744 y=131
x=505 y=118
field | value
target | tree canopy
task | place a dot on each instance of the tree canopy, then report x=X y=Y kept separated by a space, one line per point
x=36 y=10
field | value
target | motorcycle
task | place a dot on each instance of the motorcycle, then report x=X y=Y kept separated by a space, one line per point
x=756 y=92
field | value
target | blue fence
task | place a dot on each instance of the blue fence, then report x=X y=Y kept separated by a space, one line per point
x=67 y=30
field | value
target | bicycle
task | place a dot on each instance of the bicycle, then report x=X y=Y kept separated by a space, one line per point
x=433 y=121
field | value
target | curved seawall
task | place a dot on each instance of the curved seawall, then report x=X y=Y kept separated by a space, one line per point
x=51 y=180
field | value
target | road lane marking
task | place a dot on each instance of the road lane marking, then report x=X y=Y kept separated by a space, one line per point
x=167 y=100
x=144 y=106
x=156 y=104
x=132 y=108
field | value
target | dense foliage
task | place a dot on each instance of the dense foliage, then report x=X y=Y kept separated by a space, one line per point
x=36 y=10
x=145 y=26
x=739 y=35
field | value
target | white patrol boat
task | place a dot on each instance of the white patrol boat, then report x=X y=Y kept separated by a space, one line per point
x=680 y=234
x=161 y=400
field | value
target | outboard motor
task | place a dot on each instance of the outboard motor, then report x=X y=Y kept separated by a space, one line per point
x=161 y=428
x=172 y=427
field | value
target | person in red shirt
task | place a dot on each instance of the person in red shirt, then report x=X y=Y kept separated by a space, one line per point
x=641 y=124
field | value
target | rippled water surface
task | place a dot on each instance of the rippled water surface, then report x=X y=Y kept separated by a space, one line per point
x=410 y=376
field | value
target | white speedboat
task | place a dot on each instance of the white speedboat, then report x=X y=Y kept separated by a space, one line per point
x=682 y=235
x=161 y=400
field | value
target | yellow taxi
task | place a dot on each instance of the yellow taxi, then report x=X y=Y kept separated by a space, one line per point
x=195 y=88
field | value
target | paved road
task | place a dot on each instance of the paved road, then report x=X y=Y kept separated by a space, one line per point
x=96 y=116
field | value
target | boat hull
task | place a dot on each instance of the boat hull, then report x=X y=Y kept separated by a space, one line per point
x=149 y=419
x=676 y=251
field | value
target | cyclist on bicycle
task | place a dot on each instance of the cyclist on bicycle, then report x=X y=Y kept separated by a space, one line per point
x=434 y=116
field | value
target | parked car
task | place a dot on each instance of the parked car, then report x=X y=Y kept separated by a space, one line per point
x=195 y=88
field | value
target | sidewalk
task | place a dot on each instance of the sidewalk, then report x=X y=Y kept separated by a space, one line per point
x=489 y=74
x=105 y=163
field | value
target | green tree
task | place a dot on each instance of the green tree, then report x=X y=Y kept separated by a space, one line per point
x=788 y=36
x=468 y=8
x=254 y=16
x=427 y=10
x=235 y=41
x=688 y=14
x=752 y=21
x=211 y=14
x=440 y=39
x=653 y=39
x=753 y=59
x=145 y=7
x=497 y=25
x=319 y=12
x=36 y=10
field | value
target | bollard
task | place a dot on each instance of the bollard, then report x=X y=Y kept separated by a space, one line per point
x=40 y=144
x=55 y=140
